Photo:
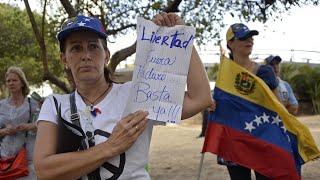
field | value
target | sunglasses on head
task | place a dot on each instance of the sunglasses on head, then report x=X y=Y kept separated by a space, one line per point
x=243 y=38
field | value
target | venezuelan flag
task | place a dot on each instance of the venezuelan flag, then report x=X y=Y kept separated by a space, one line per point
x=251 y=127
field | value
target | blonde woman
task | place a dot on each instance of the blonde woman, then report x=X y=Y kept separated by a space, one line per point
x=15 y=112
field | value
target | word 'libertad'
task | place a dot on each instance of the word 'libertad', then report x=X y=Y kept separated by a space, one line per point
x=171 y=41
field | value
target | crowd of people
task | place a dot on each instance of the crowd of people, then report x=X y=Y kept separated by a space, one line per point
x=111 y=146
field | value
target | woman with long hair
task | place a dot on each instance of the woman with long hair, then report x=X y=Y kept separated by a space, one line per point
x=240 y=43
x=16 y=118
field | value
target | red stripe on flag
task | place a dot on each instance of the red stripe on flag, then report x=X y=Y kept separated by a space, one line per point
x=249 y=151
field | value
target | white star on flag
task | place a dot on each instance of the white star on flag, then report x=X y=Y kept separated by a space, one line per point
x=265 y=118
x=276 y=120
x=249 y=126
x=86 y=19
x=284 y=128
x=257 y=120
x=81 y=24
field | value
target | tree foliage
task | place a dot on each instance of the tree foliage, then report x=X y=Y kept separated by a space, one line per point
x=119 y=18
x=305 y=82
x=18 y=46
x=212 y=72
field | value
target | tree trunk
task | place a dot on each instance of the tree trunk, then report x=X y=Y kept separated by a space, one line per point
x=69 y=8
x=44 y=58
x=121 y=55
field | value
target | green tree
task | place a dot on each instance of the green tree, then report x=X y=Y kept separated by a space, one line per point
x=288 y=71
x=213 y=72
x=119 y=18
x=18 y=47
x=306 y=84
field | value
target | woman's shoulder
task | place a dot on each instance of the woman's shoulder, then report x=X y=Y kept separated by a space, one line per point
x=32 y=101
x=122 y=87
x=59 y=97
x=265 y=68
x=266 y=73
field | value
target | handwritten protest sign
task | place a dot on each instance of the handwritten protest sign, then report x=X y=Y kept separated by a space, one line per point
x=160 y=72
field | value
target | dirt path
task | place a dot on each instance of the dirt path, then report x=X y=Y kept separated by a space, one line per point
x=175 y=153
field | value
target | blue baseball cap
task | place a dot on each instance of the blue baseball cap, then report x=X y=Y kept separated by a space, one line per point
x=239 y=31
x=81 y=22
x=271 y=58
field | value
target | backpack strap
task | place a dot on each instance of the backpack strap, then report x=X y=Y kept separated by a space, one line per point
x=30 y=115
x=75 y=119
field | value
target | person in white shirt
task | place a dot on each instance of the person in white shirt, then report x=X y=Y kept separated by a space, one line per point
x=114 y=147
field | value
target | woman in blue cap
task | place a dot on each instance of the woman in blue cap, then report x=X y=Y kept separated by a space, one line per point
x=114 y=147
x=240 y=43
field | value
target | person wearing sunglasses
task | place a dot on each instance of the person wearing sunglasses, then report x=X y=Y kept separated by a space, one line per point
x=285 y=90
x=240 y=43
x=114 y=147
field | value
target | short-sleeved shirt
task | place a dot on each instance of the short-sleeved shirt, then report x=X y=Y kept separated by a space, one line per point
x=111 y=107
x=286 y=93
x=10 y=114
x=266 y=73
x=12 y=144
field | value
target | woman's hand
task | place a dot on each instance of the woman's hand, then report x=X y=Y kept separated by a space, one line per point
x=24 y=127
x=127 y=131
x=213 y=105
x=8 y=130
x=167 y=19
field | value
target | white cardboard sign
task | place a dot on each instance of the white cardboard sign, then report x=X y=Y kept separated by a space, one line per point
x=160 y=72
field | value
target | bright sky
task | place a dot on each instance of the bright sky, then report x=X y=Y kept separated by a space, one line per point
x=297 y=31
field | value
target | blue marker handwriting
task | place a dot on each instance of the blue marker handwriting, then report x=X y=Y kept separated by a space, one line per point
x=150 y=74
x=171 y=40
x=160 y=60
x=144 y=93
x=170 y=113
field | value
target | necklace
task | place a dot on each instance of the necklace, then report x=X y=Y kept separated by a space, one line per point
x=95 y=111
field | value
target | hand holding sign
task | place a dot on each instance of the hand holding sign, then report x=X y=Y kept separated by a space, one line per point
x=167 y=19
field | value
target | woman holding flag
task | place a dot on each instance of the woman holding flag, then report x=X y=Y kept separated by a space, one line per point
x=240 y=43
x=250 y=128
